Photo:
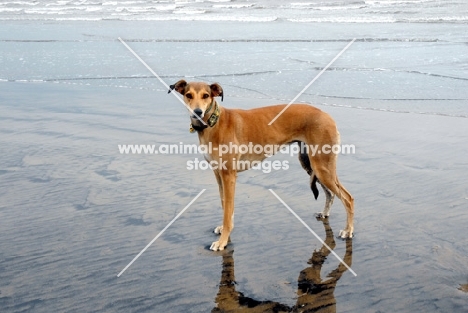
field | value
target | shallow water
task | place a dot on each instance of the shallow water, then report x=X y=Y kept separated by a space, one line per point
x=418 y=68
x=74 y=212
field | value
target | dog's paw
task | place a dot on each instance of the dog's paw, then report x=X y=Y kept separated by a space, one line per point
x=218 y=246
x=218 y=230
x=321 y=215
x=345 y=234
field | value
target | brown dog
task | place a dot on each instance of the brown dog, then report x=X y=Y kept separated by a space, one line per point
x=233 y=127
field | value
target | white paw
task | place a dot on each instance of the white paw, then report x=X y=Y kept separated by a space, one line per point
x=321 y=215
x=218 y=230
x=344 y=234
x=217 y=246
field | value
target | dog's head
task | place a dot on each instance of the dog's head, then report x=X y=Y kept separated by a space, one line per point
x=198 y=96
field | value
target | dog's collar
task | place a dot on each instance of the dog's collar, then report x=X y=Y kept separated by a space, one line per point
x=212 y=120
x=215 y=115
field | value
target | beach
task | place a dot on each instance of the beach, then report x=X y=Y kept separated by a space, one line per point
x=74 y=210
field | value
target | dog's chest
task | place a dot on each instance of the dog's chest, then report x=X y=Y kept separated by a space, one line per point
x=207 y=157
x=206 y=149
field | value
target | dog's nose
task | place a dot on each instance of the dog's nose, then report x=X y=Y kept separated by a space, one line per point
x=198 y=112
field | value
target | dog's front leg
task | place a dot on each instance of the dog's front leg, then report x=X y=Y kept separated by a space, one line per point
x=228 y=179
x=219 y=229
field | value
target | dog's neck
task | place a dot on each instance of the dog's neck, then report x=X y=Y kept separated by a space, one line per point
x=211 y=121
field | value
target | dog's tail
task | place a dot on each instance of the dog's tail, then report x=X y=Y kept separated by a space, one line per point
x=313 y=185
x=305 y=162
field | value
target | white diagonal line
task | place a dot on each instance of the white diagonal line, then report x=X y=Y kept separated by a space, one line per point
x=160 y=79
x=312 y=81
x=313 y=233
x=161 y=232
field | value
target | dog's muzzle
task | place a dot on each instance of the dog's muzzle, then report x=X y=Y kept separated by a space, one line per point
x=197 y=118
x=198 y=112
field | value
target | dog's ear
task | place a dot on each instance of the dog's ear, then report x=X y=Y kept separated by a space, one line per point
x=217 y=91
x=179 y=87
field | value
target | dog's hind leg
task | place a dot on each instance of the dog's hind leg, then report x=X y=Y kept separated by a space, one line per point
x=328 y=203
x=305 y=162
x=324 y=166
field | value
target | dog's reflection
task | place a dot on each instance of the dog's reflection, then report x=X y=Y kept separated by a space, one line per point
x=314 y=293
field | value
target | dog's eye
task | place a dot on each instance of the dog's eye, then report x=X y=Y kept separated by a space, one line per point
x=189 y=95
x=206 y=96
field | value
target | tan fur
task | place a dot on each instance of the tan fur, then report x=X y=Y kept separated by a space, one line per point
x=300 y=122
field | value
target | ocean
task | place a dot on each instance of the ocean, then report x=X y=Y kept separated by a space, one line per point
x=351 y=11
x=420 y=43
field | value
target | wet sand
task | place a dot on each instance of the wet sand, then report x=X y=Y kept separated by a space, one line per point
x=74 y=212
